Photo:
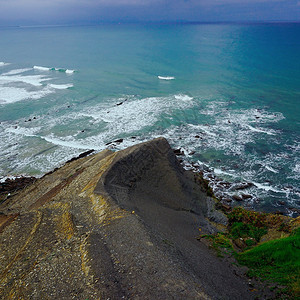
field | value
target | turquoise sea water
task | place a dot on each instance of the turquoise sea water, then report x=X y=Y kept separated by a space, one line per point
x=228 y=95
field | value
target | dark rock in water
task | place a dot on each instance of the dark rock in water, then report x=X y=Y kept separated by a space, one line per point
x=133 y=137
x=227 y=200
x=192 y=152
x=82 y=130
x=34 y=118
x=121 y=102
x=108 y=143
x=242 y=186
x=237 y=198
x=119 y=141
x=246 y=196
x=84 y=154
x=197 y=136
x=178 y=152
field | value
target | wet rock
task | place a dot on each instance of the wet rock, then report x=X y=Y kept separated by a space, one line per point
x=121 y=102
x=237 y=198
x=197 y=136
x=192 y=152
x=246 y=196
x=178 y=152
x=12 y=185
x=119 y=141
x=242 y=186
x=84 y=154
x=227 y=200
x=133 y=137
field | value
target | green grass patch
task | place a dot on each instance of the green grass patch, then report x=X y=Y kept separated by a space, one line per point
x=277 y=260
x=243 y=230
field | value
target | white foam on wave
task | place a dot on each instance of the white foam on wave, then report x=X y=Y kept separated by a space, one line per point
x=183 y=97
x=24 y=131
x=12 y=94
x=70 y=144
x=61 y=86
x=271 y=169
x=2 y=64
x=44 y=69
x=202 y=128
x=268 y=188
x=70 y=71
x=35 y=80
x=260 y=130
x=17 y=71
x=218 y=171
x=41 y=68
x=166 y=77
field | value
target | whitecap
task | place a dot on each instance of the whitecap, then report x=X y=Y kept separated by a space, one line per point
x=259 y=130
x=166 y=77
x=220 y=172
x=17 y=71
x=35 y=80
x=271 y=169
x=70 y=144
x=267 y=188
x=11 y=94
x=41 y=68
x=61 y=86
x=2 y=64
x=70 y=71
x=183 y=97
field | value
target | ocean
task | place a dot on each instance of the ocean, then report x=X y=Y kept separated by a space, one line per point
x=227 y=95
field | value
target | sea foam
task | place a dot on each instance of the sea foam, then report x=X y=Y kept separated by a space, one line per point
x=2 y=64
x=17 y=71
x=61 y=86
x=166 y=77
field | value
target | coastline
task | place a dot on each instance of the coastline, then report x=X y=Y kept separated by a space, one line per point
x=130 y=223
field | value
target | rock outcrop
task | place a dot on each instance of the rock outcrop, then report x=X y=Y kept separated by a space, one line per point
x=120 y=225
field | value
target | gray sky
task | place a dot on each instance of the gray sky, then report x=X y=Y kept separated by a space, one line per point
x=26 y=12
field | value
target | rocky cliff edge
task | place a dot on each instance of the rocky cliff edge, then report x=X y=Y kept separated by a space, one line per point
x=120 y=225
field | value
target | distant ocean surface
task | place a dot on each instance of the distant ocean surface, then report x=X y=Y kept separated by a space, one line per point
x=227 y=94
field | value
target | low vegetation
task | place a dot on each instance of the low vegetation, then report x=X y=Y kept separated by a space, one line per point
x=268 y=244
x=277 y=260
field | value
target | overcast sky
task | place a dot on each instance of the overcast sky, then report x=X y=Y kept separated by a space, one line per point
x=26 y=12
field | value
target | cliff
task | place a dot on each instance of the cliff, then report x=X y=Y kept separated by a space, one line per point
x=120 y=225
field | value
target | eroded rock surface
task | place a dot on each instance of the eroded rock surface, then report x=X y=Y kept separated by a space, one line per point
x=118 y=225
